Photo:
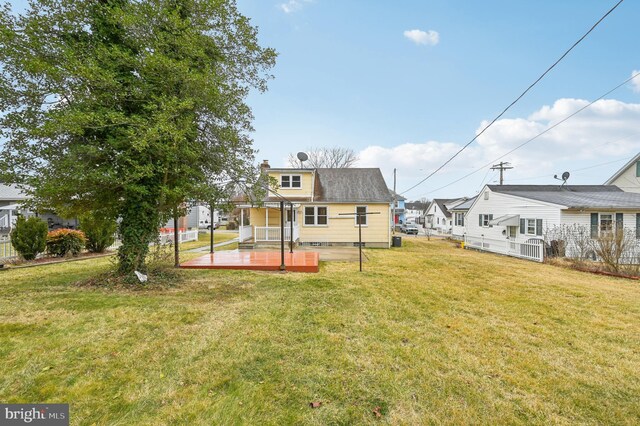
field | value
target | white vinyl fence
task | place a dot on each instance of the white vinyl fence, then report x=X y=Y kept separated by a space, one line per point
x=531 y=250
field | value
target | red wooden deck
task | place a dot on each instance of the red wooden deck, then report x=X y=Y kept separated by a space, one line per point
x=306 y=261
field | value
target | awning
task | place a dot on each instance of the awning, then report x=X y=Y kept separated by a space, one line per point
x=508 y=220
x=11 y=207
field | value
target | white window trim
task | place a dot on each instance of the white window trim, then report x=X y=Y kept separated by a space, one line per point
x=485 y=215
x=291 y=182
x=315 y=217
x=355 y=219
x=526 y=226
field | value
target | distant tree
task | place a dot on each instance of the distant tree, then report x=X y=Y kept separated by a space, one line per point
x=332 y=158
x=122 y=108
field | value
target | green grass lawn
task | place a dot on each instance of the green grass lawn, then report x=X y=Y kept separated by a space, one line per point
x=428 y=333
x=204 y=240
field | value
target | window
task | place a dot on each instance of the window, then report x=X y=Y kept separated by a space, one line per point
x=459 y=217
x=530 y=226
x=604 y=223
x=361 y=217
x=484 y=220
x=290 y=181
x=638 y=169
x=315 y=215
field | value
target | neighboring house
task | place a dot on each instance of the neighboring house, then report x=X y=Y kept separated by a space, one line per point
x=11 y=197
x=324 y=204
x=414 y=211
x=504 y=216
x=438 y=216
x=399 y=210
x=458 y=213
x=628 y=177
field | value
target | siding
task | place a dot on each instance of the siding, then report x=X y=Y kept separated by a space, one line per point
x=628 y=181
x=306 y=182
x=343 y=229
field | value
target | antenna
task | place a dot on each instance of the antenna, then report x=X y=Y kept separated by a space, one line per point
x=564 y=178
x=302 y=156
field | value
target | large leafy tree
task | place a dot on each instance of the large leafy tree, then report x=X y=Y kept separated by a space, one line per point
x=123 y=108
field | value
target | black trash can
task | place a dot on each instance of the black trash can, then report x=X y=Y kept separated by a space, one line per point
x=396 y=241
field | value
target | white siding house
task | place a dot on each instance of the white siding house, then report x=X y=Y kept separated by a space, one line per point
x=458 y=217
x=628 y=177
x=438 y=216
x=513 y=219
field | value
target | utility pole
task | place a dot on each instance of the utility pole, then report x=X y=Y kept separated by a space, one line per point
x=395 y=201
x=502 y=166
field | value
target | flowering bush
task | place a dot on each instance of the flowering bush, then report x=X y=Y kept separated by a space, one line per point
x=63 y=242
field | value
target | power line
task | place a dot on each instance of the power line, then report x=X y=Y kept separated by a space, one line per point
x=518 y=98
x=538 y=135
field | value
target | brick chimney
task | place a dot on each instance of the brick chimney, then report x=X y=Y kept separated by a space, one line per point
x=264 y=166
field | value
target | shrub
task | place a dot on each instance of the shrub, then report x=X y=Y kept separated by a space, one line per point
x=99 y=232
x=29 y=237
x=62 y=242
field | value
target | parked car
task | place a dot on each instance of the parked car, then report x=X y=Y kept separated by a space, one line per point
x=410 y=228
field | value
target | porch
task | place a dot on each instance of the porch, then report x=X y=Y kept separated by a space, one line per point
x=268 y=228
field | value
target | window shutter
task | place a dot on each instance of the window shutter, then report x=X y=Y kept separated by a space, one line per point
x=522 y=226
x=594 y=225
x=538 y=226
x=490 y=219
x=619 y=220
x=637 y=225
x=638 y=169
x=480 y=220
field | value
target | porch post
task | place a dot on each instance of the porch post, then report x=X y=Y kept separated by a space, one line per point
x=282 y=267
x=291 y=242
x=266 y=224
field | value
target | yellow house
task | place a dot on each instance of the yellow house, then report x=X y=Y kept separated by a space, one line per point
x=324 y=204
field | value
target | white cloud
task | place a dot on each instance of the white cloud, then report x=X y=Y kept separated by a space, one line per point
x=635 y=83
x=608 y=130
x=429 y=38
x=293 y=5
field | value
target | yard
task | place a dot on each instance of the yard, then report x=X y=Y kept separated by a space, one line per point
x=427 y=334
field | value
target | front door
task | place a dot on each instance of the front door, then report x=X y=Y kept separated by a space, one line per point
x=288 y=217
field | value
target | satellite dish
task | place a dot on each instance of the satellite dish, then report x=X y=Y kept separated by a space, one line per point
x=564 y=178
x=302 y=156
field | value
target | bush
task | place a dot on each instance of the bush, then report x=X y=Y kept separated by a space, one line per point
x=62 y=242
x=29 y=237
x=99 y=232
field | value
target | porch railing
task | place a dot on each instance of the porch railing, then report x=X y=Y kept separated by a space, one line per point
x=272 y=233
x=533 y=250
x=246 y=233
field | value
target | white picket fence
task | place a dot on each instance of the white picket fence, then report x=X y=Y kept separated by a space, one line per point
x=531 y=250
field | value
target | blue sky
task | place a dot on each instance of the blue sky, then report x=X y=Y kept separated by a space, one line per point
x=406 y=83
x=347 y=75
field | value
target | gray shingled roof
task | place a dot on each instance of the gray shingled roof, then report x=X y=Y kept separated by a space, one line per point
x=574 y=196
x=11 y=192
x=464 y=206
x=441 y=203
x=351 y=185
